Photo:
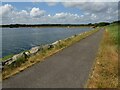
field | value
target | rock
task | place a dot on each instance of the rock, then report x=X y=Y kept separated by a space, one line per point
x=45 y=47
x=34 y=50
x=67 y=39
x=54 y=43
x=75 y=35
x=27 y=53
x=17 y=56
x=9 y=62
x=51 y=46
x=13 y=59
x=6 y=61
x=1 y=66
x=60 y=41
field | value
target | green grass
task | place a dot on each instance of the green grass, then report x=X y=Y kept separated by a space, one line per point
x=105 y=70
x=6 y=57
x=113 y=31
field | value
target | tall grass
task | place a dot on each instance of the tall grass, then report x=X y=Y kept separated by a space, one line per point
x=105 y=70
x=114 y=35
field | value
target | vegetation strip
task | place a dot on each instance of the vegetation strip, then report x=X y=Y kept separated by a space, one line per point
x=55 y=25
x=105 y=70
x=25 y=62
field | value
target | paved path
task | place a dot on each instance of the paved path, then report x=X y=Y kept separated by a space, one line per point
x=66 y=69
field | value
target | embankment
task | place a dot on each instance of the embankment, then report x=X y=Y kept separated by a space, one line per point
x=19 y=62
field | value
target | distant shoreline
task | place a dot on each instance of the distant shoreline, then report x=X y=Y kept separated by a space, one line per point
x=45 y=25
x=56 y=25
x=51 y=27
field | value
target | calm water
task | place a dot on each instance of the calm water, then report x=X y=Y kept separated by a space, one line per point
x=15 y=40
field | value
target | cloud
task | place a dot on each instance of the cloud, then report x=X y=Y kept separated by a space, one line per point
x=59 y=0
x=65 y=17
x=36 y=12
x=61 y=15
x=92 y=7
x=81 y=0
x=52 y=3
x=89 y=13
x=5 y=10
x=99 y=11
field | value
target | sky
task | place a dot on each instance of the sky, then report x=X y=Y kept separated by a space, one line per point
x=58 y=12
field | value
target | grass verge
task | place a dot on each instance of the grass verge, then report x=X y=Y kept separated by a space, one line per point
x=105 y=70
x=6 y=57
x=40 y=56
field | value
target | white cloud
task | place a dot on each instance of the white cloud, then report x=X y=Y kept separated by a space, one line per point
x=23 y=12
x=22 y=16
x=52 y=3
x=93 y=16
x=5 y=10
x=65 y=15
x=60 y=15
x=90 y=13
x=36 y=12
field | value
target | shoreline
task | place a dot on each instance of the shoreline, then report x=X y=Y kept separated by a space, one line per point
x=49 y=27
x=38 y=54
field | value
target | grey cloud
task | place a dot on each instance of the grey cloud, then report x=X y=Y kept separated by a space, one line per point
x=92 y=7
x=92 y=12
x=104 y=11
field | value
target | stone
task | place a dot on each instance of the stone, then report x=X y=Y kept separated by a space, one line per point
x=34 y=50
x=45 y=47
x=54 y=43
x=27 y=53
x=17 y=56
x=6 y=61
x=51 y=46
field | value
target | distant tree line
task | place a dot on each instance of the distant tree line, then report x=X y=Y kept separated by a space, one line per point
x=54 y=25
x=42 y=25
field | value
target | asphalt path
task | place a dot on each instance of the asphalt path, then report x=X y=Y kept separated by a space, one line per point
x=68 y=68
